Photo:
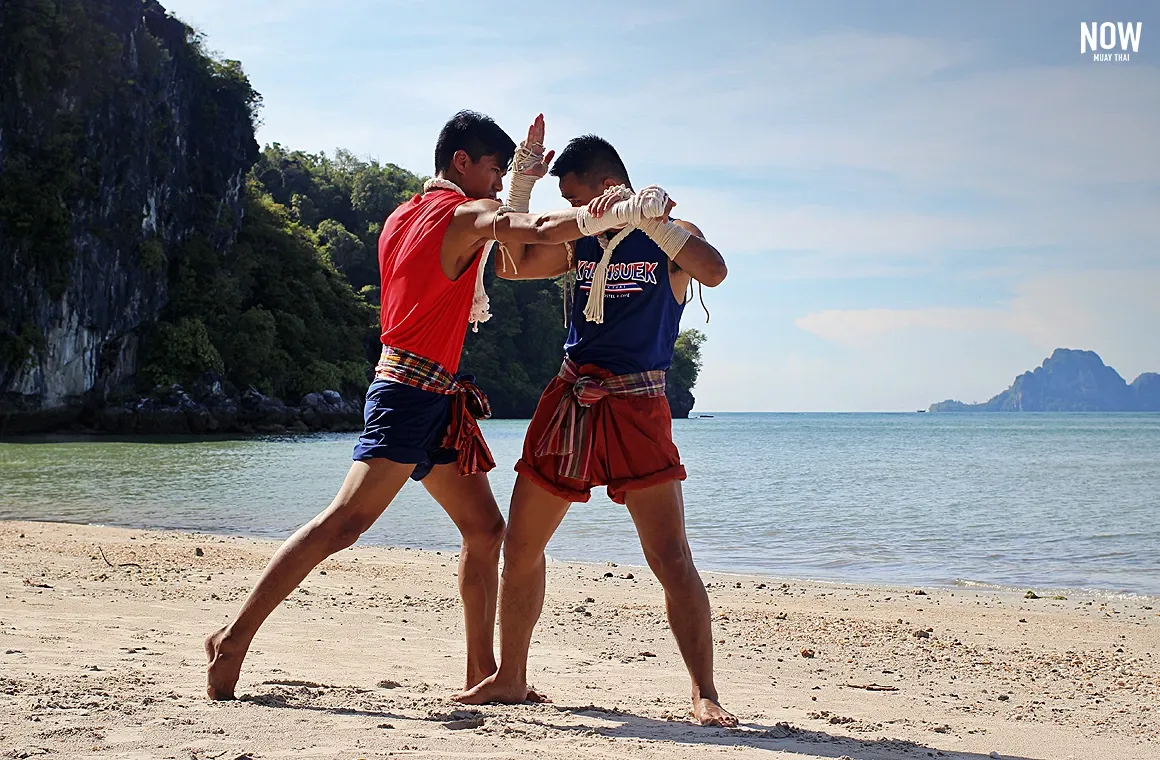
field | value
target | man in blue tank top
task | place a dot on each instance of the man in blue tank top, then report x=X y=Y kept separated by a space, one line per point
x=604 y=420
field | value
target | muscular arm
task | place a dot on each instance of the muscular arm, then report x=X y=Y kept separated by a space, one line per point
x=552 y=228
x=477 y=221
x=699 y=259
x=538 y=261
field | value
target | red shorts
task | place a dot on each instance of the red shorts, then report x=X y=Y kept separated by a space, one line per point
x=632 y=445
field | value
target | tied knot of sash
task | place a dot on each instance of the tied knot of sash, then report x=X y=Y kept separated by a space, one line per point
x=588 y=390
x=569 y=434
x=468 y=405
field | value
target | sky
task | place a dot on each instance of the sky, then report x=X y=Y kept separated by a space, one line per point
x=917 y=201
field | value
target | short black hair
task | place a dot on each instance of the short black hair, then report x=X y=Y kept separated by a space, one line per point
x=477 y=135
x=590 y=158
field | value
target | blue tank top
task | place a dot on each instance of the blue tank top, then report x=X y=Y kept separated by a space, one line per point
x=641 y=316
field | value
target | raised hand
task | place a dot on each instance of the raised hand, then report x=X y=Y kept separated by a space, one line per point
x=530 y=158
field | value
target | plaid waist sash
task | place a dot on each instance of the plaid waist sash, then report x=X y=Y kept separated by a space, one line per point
x=468 y=405
x=569 y=434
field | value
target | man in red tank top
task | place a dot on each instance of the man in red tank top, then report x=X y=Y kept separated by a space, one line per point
x=420 y=415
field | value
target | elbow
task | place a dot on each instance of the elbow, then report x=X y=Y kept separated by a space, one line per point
x=716 y=275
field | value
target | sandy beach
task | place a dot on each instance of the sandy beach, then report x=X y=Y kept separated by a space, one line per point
x=101 y=656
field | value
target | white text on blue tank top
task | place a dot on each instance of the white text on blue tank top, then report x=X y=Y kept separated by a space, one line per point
x=623 y=279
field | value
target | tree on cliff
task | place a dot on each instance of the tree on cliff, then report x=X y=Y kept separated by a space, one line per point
x=270 y=312
x=683 y=374
x=119 y=139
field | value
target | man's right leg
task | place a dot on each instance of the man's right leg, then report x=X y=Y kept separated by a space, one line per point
x=534 y=516
x=659 y=515
x=369 y=487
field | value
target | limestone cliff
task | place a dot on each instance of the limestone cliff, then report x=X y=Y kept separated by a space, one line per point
x=120 y=140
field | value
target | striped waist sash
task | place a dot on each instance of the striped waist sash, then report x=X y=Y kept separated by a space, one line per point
x=468 y=405
x=569 y=434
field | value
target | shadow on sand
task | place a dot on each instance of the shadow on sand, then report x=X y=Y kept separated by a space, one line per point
x=780 y=737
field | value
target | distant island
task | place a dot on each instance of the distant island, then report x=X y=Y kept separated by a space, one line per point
x=1070 y=381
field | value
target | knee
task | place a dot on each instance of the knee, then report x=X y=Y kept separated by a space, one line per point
x=671 y=562
x=521 y=556
x=338 y=531
x=486 y=538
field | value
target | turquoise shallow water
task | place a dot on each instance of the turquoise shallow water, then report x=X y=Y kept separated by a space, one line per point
x=1043 y=501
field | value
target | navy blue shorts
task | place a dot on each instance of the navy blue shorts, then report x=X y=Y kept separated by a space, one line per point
x=405 y=425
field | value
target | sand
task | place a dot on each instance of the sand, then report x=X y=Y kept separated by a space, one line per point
x=101 y=655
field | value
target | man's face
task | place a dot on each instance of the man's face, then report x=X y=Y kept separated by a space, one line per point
x=579 y=193
x=480 y=179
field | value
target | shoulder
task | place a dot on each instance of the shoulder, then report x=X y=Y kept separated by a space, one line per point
x=689 y=227
x=477 y=206
x=469 y=211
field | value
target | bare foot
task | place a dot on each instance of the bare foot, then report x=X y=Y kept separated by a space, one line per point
x=492 y=690
x=224 y=666
x=476 y=676
x=708 y=712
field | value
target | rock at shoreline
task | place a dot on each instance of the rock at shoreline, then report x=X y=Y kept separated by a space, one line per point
x=211 y=405
x=680 y=402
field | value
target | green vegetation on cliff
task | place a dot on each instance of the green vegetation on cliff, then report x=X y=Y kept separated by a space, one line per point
x=269 y=312
x=683 y=374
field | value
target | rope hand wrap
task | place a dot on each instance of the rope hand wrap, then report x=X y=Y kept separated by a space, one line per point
x=627 y=211
x=520 y=182
x=631 y=210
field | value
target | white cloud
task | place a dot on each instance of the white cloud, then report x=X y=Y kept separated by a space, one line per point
x=1115 y=310
x=860 y=327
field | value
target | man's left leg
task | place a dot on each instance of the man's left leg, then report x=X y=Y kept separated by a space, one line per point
x=659 y=515
x=469 y=502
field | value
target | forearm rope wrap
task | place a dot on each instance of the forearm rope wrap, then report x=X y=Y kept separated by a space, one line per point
x=631 y=212
x=519 y=199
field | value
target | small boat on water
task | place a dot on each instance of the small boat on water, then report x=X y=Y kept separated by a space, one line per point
x=706 y=416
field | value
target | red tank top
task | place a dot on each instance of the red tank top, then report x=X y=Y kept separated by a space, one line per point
x=423 y=311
